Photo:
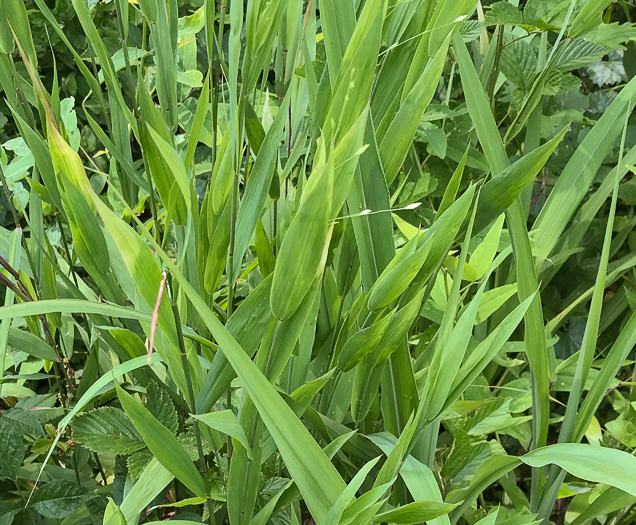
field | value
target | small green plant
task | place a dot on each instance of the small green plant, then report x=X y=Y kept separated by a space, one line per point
x=317 y=262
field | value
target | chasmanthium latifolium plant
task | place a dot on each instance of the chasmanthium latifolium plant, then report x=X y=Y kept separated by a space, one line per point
x=330 y=262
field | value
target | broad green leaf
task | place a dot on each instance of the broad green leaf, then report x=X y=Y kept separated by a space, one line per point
x=373 y=231
x=152 y=481
x=69 y=306
x=599 y=464
x=17 y=16
x=59 y=498
x=247 y=325
x=106 y=430
x=160 y=405
x=492 y=300
x=165 y=42
x=418 y=478
x=398 y=275
x=176 y=168
x=12 y=451
x=491 y=519
x=396 y=332
x=486 y=351
x=143 y=267
x=353 y=81
x=362 y=342
x=163 y=444
x=399 y=136
x=113 y=514
x=349 y=493
x=415 y=512
x=452 y=341
x=588 y=17
x=266 y=512
x=338 y=22
x=302 y=252
x=450 y=193
x=484 y=254
x=198 y=123
x=488 y=472
x=609 y=501
x=448 y=15
x=226 y=422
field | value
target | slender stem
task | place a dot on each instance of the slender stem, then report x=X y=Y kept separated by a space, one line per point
x=15 y=289
x=10 y=268
x=23 y=101
x=67 y=250
x=76 y=469
x=153 y=202
x=7 y=194
x=124 y=44
x=228 y=405
x=217 y=77
x=275 y=228
x=100 y=468
x=334 y=335
x=191 y=399
x=495 y=71
x=230 y=256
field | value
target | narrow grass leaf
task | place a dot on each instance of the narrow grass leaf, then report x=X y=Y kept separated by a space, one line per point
x=416 y=512
x=163 y=444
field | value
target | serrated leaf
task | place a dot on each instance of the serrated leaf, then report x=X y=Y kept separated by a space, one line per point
x=137 y=462
x=504 y=13
x=24 y=421
x=59 y=498
x=41 y=446
x=519 y=63
x=559 y=82
x=107 y=430
x=471 y=29
x=160 y=405
x=189 y=443
x=11 y=450
x=603 y=73
x=613 y=36
x=579 y=53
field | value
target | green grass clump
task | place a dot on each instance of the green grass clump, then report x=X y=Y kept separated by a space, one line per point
x=332 y=262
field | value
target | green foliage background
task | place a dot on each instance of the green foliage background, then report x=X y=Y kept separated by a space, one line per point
x=317 y=261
